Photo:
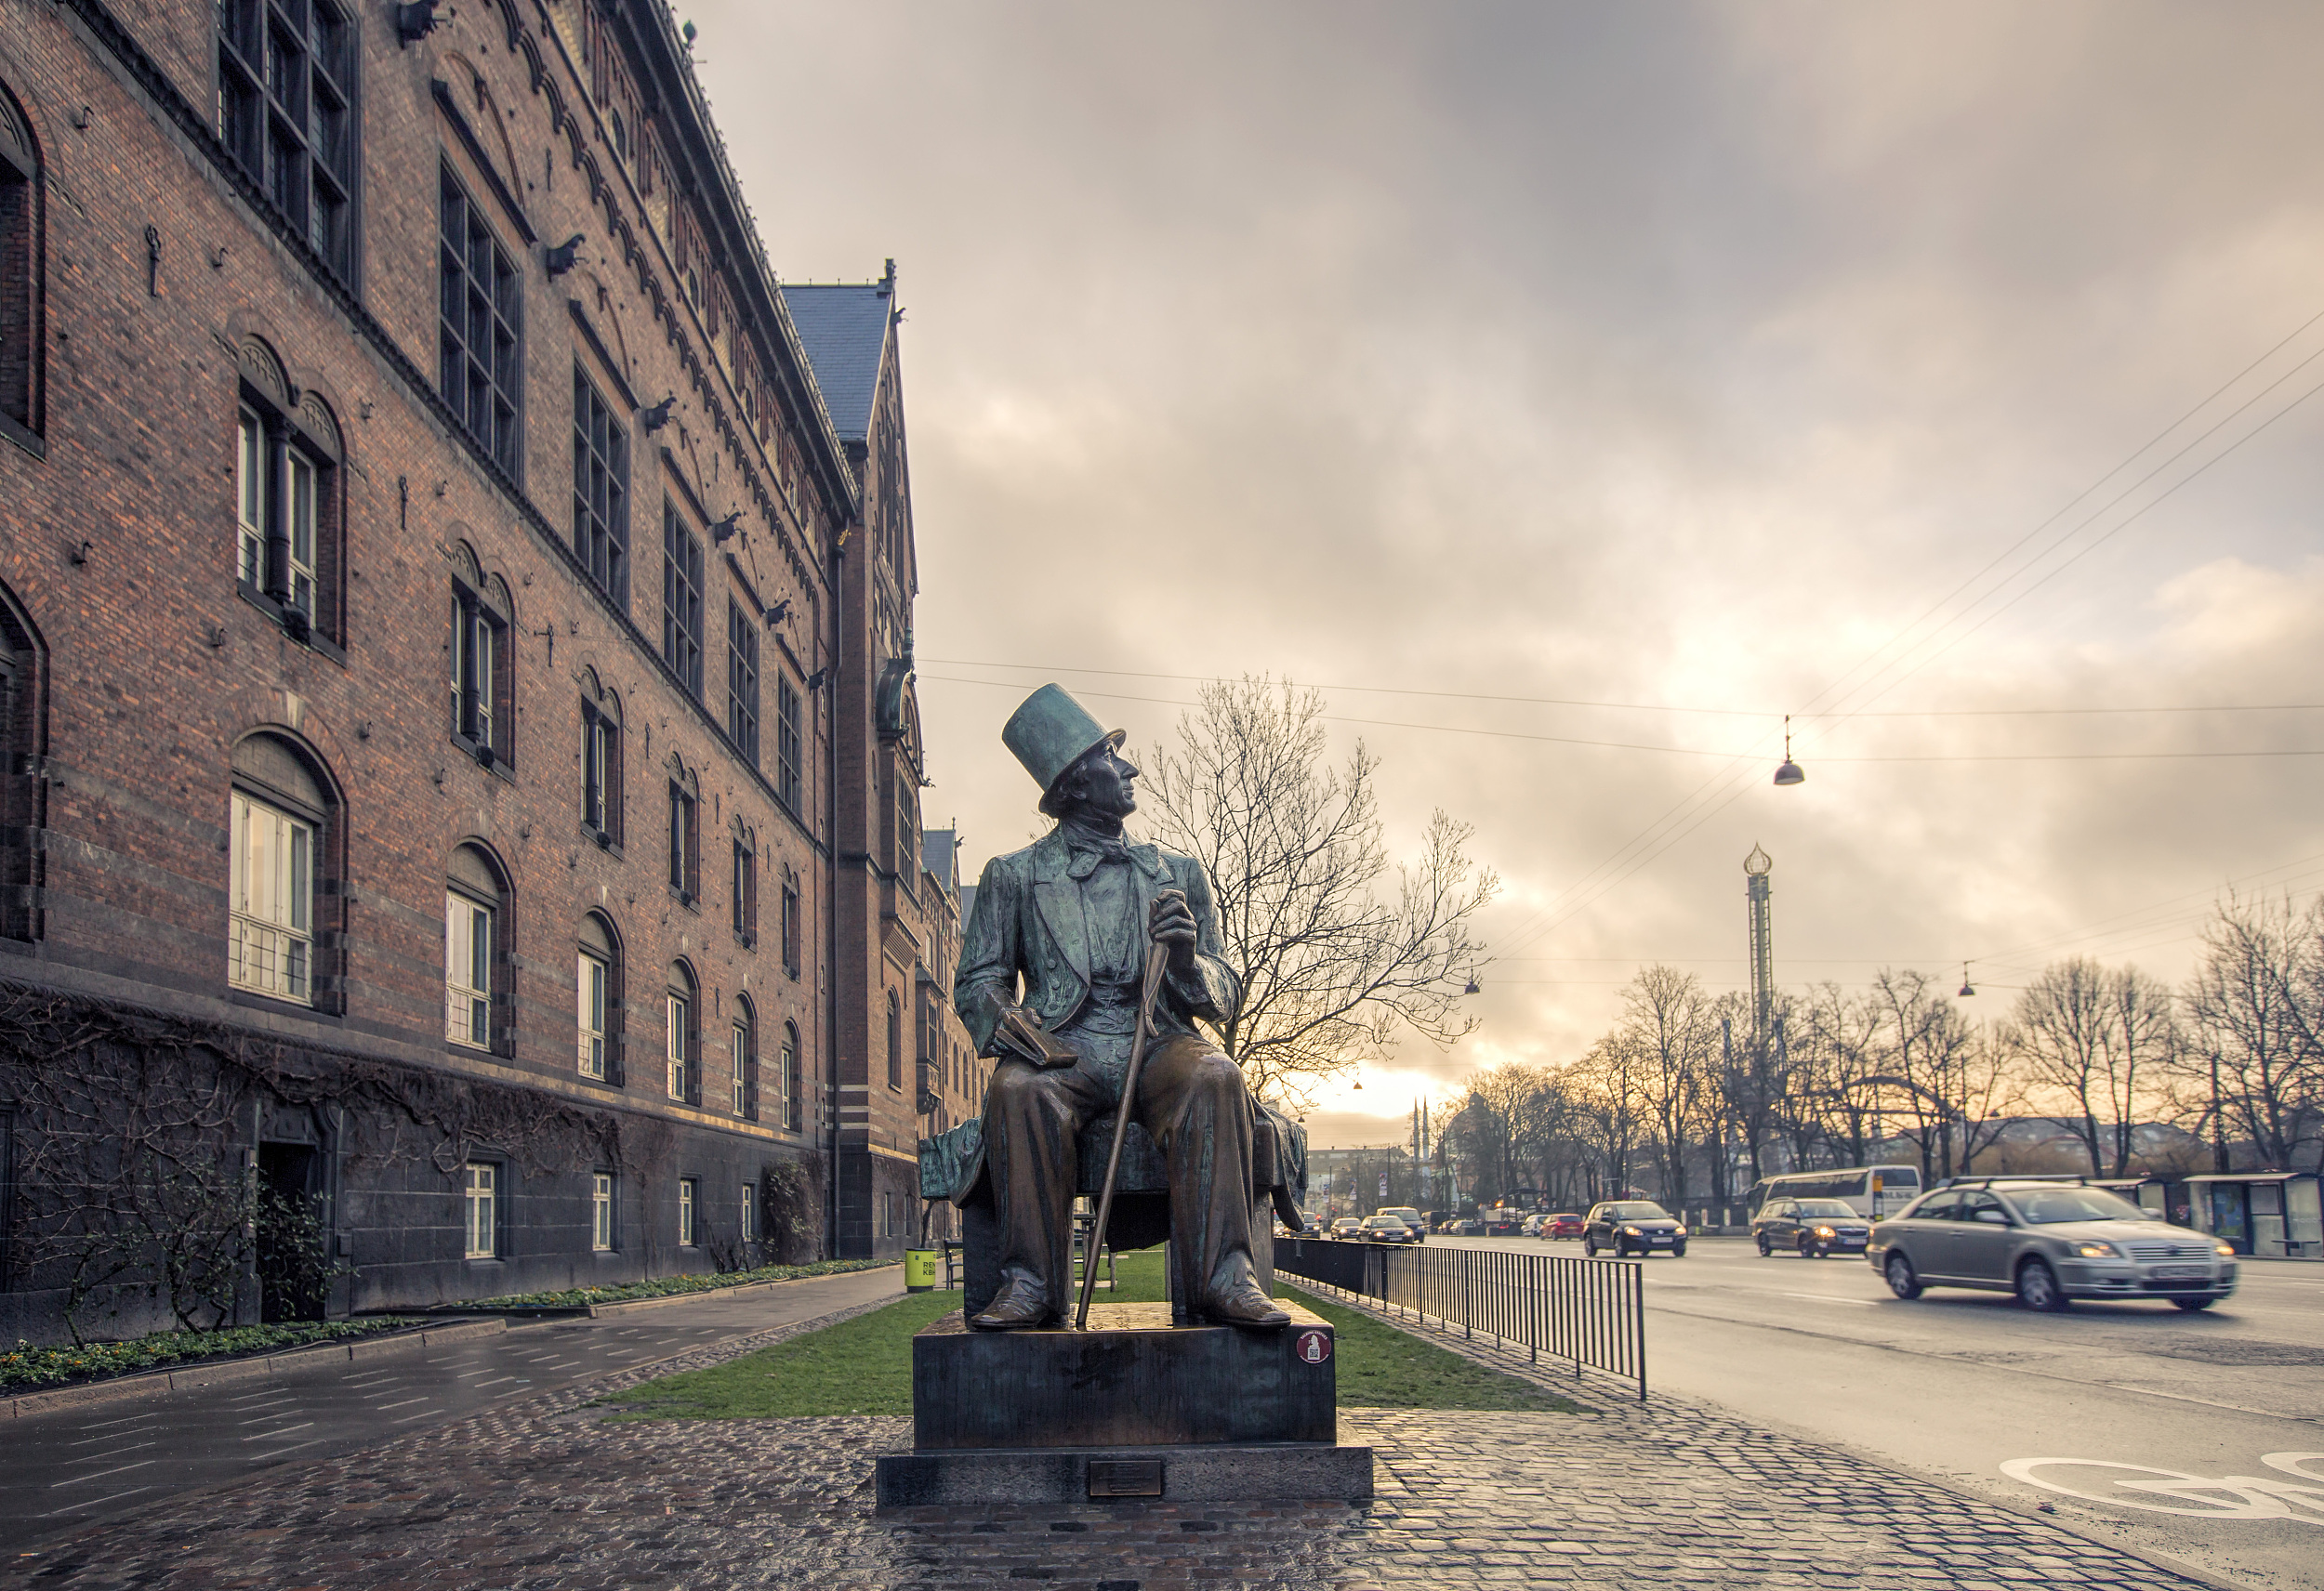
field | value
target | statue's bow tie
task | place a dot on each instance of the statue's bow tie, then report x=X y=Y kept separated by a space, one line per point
x=1090 y=849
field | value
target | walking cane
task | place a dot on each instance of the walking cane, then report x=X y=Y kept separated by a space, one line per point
x=1157 y=958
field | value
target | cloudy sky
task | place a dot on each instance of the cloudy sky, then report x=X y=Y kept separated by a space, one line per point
x=1920 y=370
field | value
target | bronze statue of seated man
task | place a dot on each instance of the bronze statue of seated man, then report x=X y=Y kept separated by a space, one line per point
x=1048 y=985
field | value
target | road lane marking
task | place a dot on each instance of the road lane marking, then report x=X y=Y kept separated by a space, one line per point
x=1829 y=1298
x=404 y=1404
x=85 y=1479
x=270 y=1436
x=111 y=1453
x=114 y=1436
x=85 y=1508
x=406 y=1419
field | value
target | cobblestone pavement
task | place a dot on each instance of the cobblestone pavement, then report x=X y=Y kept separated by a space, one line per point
x=541 y=1494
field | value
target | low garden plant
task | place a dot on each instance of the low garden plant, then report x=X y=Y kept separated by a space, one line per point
x=667 y=1286
x=26 y=1368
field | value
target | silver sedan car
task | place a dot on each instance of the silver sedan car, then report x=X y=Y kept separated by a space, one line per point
x=2050 y=1242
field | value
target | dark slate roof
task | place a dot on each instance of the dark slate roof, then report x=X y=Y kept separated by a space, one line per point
x=936 y=855
x=843 y=329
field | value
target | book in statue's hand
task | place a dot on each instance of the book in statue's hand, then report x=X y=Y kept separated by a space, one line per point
x=1022 y=1033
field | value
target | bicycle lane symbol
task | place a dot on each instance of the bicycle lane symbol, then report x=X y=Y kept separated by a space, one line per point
x=2239 y=1497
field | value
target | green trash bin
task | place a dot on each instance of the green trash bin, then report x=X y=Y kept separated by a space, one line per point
x=919 y=1269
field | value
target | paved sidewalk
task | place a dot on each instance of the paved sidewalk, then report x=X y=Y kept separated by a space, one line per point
x=70 y=1465
x=543 y=1494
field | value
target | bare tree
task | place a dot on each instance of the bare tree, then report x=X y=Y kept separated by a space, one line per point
x=2098 y=1041
x=1667 y=1023
x=2255 y=1008
x=1298 y=865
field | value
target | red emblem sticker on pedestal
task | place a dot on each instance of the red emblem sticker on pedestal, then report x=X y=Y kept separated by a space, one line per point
x=1313 y=1347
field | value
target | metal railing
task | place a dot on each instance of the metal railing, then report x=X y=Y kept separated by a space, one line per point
x=1589 y=1311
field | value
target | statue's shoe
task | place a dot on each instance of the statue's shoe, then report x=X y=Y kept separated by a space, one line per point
x=1019 y=1305
x=1246 y=1306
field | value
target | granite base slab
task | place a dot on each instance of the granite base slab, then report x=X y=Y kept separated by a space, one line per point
x=1131 y=1380
x=1287 y=1472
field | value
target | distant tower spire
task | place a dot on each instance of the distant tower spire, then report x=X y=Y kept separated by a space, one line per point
x=1756 y=867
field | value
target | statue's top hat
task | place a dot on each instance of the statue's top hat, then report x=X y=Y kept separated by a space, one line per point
x=1051 y=731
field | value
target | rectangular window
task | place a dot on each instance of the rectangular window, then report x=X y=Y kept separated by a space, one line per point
x=467 y=964
x=682 y=599
x=787 y=743
x=302 y=531
x=686 y=846
x=601 y=1212
x=285 y=91
x=601 y=773
x=595 y=978
x=483 y=1212
x=250 y=501
x=745 y=893
x=601 y=487
x=742 y=681
x=750 y=1213
x=790 y=922
x=681 y=1016
x=479 y=313
x=742 y=1069
x=270 y=948
x=685 y=1211
x=794 y=1107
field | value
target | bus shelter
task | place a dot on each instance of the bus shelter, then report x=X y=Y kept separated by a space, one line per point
x=2166 y=1198
x=2268 y=1214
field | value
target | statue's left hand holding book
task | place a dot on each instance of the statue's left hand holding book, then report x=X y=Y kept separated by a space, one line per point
x=1023 y=1034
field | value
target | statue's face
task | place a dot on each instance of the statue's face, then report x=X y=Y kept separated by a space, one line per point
x=1108 y=784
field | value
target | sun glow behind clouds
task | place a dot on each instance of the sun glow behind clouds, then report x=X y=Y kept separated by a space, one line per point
x=1673 y=354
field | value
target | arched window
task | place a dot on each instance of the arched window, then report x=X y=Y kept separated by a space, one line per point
x=482 y=674
x=895 y=1040
x=279 y=849
x=743 y=884
x=286 y=498
x=598 y=1009
x=20 y=277
x=685 y=832
x=600 y=762
x=744 y=1053
x=681 y=1039
x=479 y=954
x=794 y=1102
x=23 y=791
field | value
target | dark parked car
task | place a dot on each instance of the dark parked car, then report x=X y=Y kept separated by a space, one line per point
x=1632 y=1226
x=1387 y=1228
x=1813 y=1229
x=2050 y=1243
x=1562 y=1226
x=1409 y=1216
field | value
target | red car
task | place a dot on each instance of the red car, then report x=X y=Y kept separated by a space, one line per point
x=1562 y=1226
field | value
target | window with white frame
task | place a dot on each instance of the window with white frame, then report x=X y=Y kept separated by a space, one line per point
x=746 y=1065
x=468 y=970
x=479 y=678
x=794 y=1105
x=682 y=1044
x=685 y=1211
x=601 y=1212
x=278 y=543
x=594 y=983
x=270 y=946
x=750 y=1213
x=483 y=1207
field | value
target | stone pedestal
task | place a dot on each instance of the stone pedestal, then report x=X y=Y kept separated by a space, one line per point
x=1132 y=1407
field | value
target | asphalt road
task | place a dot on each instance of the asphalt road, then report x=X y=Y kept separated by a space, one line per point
x=69 y=1468
x=1967 y=1387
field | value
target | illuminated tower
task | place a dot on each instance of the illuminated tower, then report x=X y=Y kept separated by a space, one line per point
x=1756 y=867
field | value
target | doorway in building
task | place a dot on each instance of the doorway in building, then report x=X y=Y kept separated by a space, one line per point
x=295 y=1269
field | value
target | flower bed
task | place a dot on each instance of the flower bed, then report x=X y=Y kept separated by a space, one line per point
x=26 y=1368
x=664 y=1287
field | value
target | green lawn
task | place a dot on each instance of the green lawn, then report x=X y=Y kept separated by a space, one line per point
x=863 y=1366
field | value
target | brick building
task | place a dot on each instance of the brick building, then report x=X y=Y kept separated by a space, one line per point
x=456 y=674
x=903 y=1054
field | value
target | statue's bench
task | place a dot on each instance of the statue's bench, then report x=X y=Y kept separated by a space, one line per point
x=1142 y=1195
